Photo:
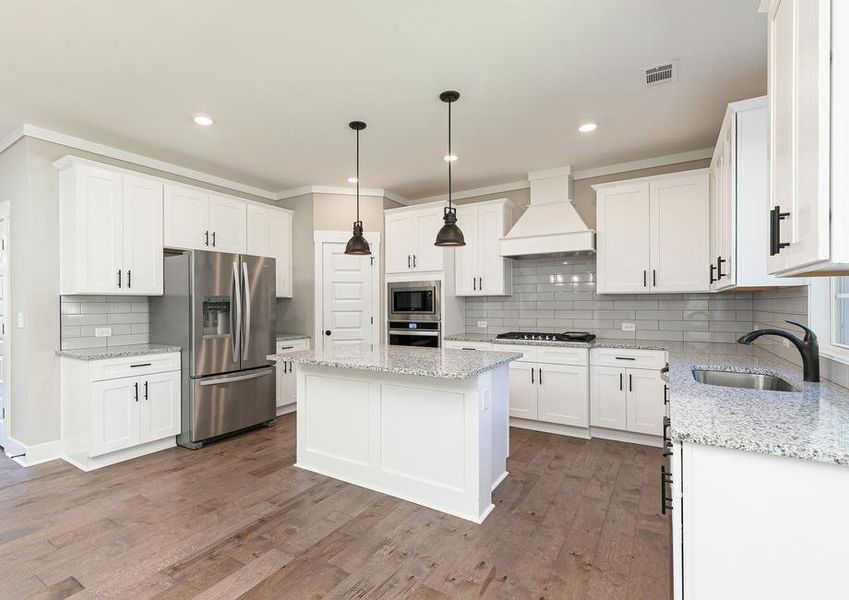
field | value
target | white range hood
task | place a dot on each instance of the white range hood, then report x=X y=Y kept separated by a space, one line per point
x=550 y=225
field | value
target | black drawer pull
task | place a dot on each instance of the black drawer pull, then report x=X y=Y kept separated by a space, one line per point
x=626 y=358
x=140 y=365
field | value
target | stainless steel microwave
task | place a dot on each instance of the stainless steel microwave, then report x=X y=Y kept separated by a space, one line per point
x=414 y=301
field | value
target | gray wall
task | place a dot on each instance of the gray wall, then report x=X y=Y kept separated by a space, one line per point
x=558 y=294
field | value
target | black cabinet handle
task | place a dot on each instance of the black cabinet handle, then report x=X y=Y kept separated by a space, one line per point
x=625 y=358
x=620 y=381
x=136 y=386
x=654 y=277
x=719 y=273
x=775 y=219
x=532 y=375
x=645 y=280
x=667 y=439
x=409 y=262
x=540 y=375
x=140 y=365
x=145 y=391
x=129 y=279
x=666 y=394
x=414 y=261
x=630 y=382
x=474 y=283
x=480 y=283
x=119 y=278
x=206 y=238
x=213 y=239
x=712 y=278
x=665 y=479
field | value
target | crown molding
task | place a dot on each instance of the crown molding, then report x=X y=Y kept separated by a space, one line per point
x=648 y=163
x=341 y=190
x=481 y=191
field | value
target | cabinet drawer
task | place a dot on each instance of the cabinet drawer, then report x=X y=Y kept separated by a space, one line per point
x=629 y=359
x=291 y=346
x=563 y=356
x=529 y=353
x=134 y=366
x=456 y=345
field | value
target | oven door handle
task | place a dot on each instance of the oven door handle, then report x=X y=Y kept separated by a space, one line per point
x=431 y=333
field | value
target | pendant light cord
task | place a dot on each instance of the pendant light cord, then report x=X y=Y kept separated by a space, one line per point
x=358 y=174
x=449 y=155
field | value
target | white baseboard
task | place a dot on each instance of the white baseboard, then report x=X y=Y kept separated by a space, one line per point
x=627 y=436
x=13 y=447
x=84 y=463
x=286 y=409
x=498 y=481
x=587 y=433
x=39 y=453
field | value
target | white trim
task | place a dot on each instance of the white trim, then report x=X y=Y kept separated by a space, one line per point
x=39 y=453
x=322 y=237
x=345 y=191
x=482 y=191
x=648 y=163
x=80 y=144
x=416 y=207
x=13 y=448
x=607 y=184
x=565 y=171
x=821 y=318
x=16 y=134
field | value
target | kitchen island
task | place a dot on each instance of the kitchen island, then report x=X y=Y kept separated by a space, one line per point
x=426 y=425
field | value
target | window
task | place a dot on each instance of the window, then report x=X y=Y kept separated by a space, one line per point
x=829 y=315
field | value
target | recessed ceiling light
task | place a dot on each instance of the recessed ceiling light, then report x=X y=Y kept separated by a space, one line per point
x=449 y=157
x=587 y=127
x=352 y=180
x=203 y=120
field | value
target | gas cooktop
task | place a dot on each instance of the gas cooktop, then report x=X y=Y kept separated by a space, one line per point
x=566 y=336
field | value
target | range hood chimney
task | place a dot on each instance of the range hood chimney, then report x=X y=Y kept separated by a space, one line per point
x=550 y=226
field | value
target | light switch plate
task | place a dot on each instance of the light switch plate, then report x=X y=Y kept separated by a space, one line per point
x=482 y=324
x=102 y=331
x=629 y=327
x=20 y=320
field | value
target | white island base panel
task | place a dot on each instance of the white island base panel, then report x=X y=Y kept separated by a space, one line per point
x=441 y=443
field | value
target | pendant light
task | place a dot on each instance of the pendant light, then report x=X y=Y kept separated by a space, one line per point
x=450 y=235
x=358 y=245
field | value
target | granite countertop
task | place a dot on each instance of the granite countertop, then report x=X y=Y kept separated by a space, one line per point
x=809 y=424
x=117 y=351
x=488 y=338
x=282 y=337
x=403 y=360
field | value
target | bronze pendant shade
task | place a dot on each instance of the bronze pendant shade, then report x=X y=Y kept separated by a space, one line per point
x=357 y=245
x=450 y=235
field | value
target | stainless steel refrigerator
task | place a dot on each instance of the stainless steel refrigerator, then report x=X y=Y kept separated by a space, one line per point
x=221 y=308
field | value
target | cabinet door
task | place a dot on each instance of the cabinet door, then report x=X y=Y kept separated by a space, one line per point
x=623 y=238
x=491 y=265
x=142 y=236
x=281 y=250
x=100 y=241
x=680 y=233
x=259 y=230
x=186 y=218
x=160 y=405
x=645 y=402
x=291 y=392
x=426 y=256
x=280 y=384
x=523 y=391
x=564 y=395
x=228 y=224
x=399 y=242
x=608 y=397
x=114 y=415
x=466 y=258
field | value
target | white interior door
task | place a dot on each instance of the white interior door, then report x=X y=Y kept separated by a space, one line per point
x=142 y=235
x=347 y=302
x=4 y=326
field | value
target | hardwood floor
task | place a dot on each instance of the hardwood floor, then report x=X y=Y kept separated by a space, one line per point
x=575 y=519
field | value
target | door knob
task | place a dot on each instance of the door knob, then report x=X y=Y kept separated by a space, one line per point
x=327 y=332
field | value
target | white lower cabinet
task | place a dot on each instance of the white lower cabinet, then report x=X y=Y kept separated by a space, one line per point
x=116 y=409
x=755 y=525
x=608 y=397
x=523 y=391
x=286 y=389
x=563 y=395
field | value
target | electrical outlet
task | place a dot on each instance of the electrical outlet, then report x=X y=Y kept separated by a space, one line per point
x=20 y=320
x=482 y=324
x=102 y=331
x=629 y=327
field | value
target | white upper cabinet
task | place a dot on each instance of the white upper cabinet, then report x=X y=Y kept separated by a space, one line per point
x=808 y=134
x=410 y=233
x=480 y=270
x=201 y=220
x=654 y=234
x=110 y=230
x=270 y=234
x=740 y=200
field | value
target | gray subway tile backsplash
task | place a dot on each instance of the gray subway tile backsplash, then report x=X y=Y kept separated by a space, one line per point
x=128 y=316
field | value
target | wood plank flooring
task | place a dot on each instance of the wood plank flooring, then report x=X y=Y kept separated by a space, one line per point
x=576 y=519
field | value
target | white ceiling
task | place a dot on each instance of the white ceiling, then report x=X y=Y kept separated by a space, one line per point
x=283 y=78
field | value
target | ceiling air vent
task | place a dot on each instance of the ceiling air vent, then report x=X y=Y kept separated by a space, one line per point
x=660 y=74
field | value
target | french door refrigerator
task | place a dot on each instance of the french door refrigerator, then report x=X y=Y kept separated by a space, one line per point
x=221 y=309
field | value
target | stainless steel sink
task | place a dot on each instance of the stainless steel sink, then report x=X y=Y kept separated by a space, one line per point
x=750 y=381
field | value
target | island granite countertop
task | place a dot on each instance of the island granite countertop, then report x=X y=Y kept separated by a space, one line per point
x=810 y=424
x=403 y=360
x=117 y=351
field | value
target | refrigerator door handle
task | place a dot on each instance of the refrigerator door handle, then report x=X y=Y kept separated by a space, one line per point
x=247 y=319
x=236 y=316
x=262 y=373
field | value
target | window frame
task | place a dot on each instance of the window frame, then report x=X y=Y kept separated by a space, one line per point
x=821 y=311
